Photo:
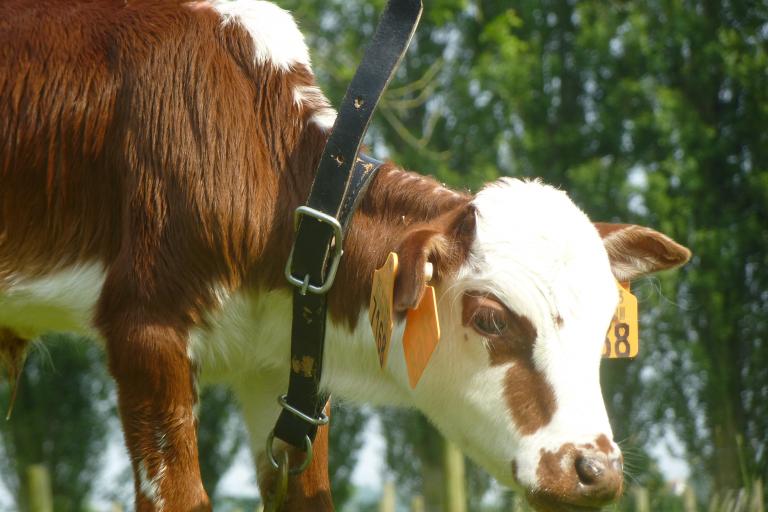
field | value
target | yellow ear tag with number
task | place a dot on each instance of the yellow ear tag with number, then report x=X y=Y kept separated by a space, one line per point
x=422 y=332
x=621 y=340
x=381 y=309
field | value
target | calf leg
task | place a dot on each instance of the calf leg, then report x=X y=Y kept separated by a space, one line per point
x=309 y=491
x=155 y=382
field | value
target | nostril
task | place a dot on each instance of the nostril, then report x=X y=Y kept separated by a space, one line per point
x=590 y=470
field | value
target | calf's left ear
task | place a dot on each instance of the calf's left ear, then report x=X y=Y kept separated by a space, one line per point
x=636 y=251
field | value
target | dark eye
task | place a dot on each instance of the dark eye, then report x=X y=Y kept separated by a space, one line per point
x=489 y=321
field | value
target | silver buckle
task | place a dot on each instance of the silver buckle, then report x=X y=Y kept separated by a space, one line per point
x=303 y=283
x=294 y=471
x=283 y=401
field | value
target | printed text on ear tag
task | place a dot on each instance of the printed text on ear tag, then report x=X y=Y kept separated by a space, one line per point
x=422 y=332
x=621 y=340
x=381 y=308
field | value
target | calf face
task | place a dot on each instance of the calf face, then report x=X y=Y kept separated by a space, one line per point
x=515 y=378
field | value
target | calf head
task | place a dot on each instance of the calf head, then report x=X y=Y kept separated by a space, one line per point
x=527 y=289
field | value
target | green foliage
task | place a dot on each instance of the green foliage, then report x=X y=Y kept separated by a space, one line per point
x=59 y=420
x=346 y=434
x=220 y=435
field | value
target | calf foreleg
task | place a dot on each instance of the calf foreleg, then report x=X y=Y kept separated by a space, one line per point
x=155 y=381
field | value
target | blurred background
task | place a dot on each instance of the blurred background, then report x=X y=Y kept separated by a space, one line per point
x=652 y=112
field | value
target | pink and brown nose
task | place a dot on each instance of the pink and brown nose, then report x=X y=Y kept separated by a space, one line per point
x=600 y=477
x=584 y=477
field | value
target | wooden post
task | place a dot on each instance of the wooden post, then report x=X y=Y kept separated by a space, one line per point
x=757 y=503
x=642 y=500
x=689 y=499
x=388 y=497
x=417 y=504
x=40 y=494
x=714 y=502
x=455 y=489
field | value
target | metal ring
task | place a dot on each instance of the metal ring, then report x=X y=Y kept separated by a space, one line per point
x=294 y=471
x=283 y=401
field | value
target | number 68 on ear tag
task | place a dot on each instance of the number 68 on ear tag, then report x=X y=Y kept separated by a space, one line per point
x=621 y=340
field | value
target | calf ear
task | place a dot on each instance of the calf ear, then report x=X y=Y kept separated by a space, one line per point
x=636 y=251
x=444 y=242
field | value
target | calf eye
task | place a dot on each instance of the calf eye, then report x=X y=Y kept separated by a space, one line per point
x=489 y=322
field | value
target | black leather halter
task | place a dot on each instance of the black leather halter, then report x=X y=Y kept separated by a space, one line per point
x=340 y=183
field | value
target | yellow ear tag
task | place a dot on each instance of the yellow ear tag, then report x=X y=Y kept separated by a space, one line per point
x=422 y=332
x=621 y=340
x=381 y=308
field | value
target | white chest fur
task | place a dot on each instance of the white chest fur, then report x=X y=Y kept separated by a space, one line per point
x=61 y=301
x=248 y=335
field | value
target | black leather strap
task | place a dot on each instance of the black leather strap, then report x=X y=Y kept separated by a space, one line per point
x=308 y=331
x=339 y=185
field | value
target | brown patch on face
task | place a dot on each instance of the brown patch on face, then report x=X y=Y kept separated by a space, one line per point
x=510 y=338
x=604 y=444
x=555 y=474
x=509 y=335
x=529 y=397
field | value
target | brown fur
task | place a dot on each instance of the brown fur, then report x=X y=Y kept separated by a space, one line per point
x=141 y=135
x=636 y=250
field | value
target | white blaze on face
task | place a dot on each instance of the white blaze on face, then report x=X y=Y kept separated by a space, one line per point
x=541 y=257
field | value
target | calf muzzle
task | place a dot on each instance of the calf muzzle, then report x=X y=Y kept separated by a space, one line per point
x=577 y=479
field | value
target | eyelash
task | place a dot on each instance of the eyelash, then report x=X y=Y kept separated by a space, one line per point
x=489 y=322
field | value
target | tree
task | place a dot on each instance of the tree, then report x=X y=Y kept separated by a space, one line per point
x=346 y=437
x=219 y=435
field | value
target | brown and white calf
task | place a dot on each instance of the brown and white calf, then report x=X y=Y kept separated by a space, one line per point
x=151 y=156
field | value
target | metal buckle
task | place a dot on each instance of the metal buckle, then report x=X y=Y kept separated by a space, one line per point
x=303 y=283
x=283 y=401
x=322 y=420
x=294 y=471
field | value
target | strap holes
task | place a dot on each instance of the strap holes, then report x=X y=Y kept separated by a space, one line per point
x=339 y=158
x=359 y=102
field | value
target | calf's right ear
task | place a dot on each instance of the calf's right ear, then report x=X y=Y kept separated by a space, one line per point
x=636 y=251
x=444 y=242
